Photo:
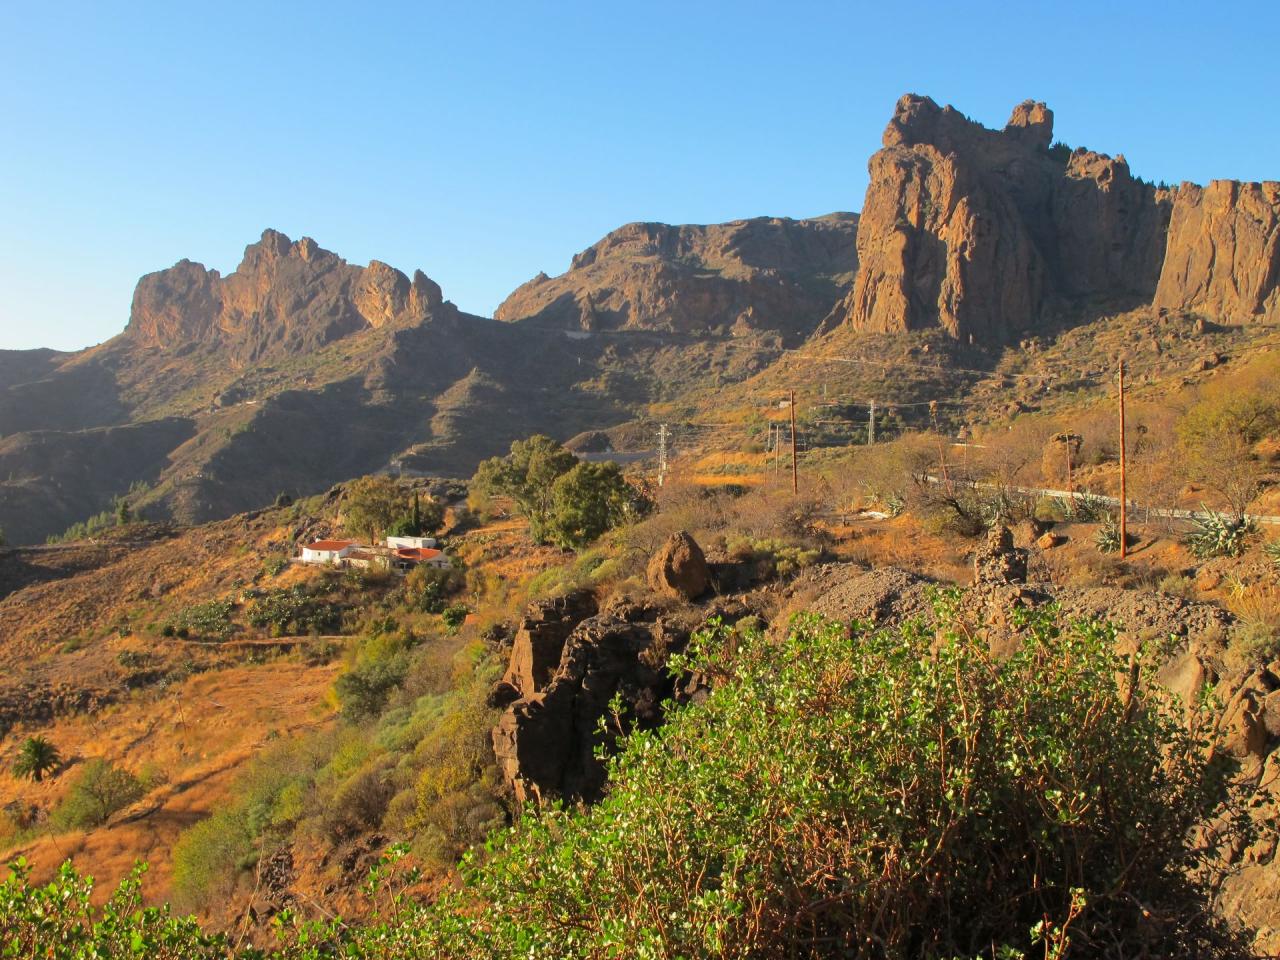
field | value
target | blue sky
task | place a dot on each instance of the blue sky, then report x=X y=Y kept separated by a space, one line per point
x=485 y=142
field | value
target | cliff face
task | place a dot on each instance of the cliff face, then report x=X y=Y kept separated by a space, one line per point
x=1223 y=255
x=977 y=231
x=284 y=297
x=749 y=275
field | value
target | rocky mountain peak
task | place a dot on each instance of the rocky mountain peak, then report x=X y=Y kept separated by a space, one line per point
x=1032 y=123
x=766 y=273
x=977 y=231
x=284 y=296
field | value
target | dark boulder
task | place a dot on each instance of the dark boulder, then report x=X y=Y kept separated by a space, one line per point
x=679 y=569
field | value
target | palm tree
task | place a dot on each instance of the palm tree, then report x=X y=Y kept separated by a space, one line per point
x=36 y=757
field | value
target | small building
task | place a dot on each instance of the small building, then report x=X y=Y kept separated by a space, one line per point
x=409 y=557
x=328 y=551
x=369 y=558
x=412 y=543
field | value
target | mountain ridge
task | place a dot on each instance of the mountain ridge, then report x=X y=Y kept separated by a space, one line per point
x=299 y=369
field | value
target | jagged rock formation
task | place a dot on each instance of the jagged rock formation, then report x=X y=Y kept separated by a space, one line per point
x=1223 y=254
x=566 y=666
x=285 y=297
x=766 y=274
x=979 y=231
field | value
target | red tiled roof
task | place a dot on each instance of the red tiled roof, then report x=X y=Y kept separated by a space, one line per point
x=416 y=553
x=330 y=545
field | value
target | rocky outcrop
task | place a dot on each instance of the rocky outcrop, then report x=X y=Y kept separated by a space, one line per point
x=538 y=643
x=767 y=274
x=1223 y=256
x=546 y=741
x=979 y=231
x=679 y=569
x=284 y=297
x=998 y=561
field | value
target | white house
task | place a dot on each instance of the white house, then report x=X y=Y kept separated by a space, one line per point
x=423 y=556
x=413 y=543
x=328 y=551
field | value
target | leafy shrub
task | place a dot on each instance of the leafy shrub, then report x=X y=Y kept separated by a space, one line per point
x=454 y=616
x=1271 y=550
x=59 y=919
x=429 y=588
x=1219 y=535
x=267 y=800
x=274 y=566
x=589 y=500
x=970 y=818
x=772 y=558
x=210 y=621
x=292 y=610
x=99 y=791
x=363 y=690
x=840 y=792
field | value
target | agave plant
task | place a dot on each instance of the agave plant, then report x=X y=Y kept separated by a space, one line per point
x=1085 y=508
x=1219 y=535
x=1108 y=538
x=36 y=757
x=1272 y=549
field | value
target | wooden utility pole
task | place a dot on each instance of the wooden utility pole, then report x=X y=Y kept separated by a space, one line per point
x=1124 y=507
x=795 y=471
x=1071 y=487
x=871 y=424
x=662 y=454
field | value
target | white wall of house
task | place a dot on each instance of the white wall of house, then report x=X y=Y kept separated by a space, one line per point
x=420 y=543
x=325 y=556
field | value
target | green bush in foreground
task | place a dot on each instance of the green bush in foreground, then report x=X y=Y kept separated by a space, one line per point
x=846 y=793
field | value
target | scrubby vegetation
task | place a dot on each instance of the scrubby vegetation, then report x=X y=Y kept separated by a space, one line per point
x=1036 y=805
x=99 y=790
x=119 y=514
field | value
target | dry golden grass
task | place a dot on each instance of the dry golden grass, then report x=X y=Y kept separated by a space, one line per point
x=190 y=740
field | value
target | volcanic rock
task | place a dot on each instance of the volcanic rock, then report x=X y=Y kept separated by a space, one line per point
x=1223 y=255
x=539 y=641
x=546 y=743
x=679 y=569
x=976 y=230
x=284 y=297
x=764 y=274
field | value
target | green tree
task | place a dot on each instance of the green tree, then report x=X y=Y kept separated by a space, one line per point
x=590 y=499
x=372 y=504
x=124 y=515
x=36 y=757
x=1217 y=437
x=3 y=542
x=99 y=791
x=526 y=475
x=423 y=520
